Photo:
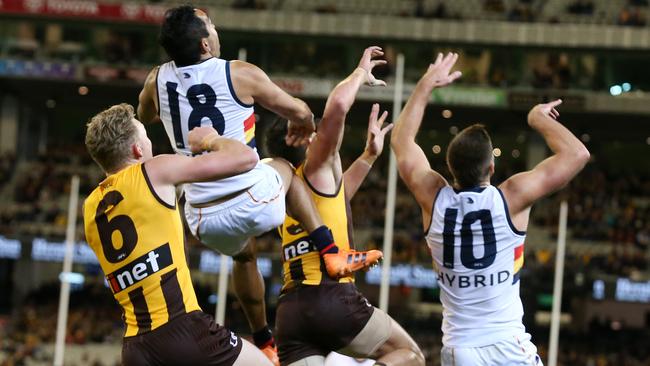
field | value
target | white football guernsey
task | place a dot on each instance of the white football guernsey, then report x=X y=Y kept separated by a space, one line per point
x=478 y=254
x=202 y=94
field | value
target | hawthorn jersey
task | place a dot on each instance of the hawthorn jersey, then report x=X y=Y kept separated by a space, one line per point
x=203 y=94
x=301 y=262
x=138 y=239
x=478 y=254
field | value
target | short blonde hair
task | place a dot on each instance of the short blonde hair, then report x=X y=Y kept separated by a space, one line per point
x=109 y=136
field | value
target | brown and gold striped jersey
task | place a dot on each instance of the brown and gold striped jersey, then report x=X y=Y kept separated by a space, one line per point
x=301 y=262
x=138 y=239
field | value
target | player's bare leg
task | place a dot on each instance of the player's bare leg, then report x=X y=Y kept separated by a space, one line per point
x=301 y=206
x=399 y=350
x=248 y=285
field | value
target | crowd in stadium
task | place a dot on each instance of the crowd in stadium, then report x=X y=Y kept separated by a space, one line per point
x=34 y=326
x=92 y=319
x=36 y=192
x=625 y=13
x=604 y=209
x=608 y=219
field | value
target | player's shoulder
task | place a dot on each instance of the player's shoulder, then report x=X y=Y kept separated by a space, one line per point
x=513 y=187
x=162 y=161
x=153 y=75
x=91 y=202
x=245 y=70
x=242 y=65
x=443 y=192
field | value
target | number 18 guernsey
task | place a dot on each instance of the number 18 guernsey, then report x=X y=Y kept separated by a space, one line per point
x=203 y=94
x=478 y=254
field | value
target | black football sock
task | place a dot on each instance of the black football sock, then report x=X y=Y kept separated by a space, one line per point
x=323 y=240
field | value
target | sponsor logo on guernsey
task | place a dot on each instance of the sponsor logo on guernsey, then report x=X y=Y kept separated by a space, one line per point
x=140 y=268
x=233 y=340
x=297 y=248
x=486 y=280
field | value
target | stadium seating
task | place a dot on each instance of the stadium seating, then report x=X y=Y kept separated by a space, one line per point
x=601 y=11
x=610 y=224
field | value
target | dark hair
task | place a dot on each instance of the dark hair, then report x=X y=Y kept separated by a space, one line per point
x=181 y=34
x=469 y=156
x=275 y=146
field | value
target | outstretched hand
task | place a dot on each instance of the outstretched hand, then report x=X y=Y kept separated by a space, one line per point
x=376 y=134
x=299 y=134
x=545 y=110
x=367 y=64
x=439 y=73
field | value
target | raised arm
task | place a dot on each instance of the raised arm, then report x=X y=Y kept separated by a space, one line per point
x=251 y=84
x=358 y=170
x=324 y=148
x=147 y=108
x=226 y=158
x=412 y=164
x=569 y=157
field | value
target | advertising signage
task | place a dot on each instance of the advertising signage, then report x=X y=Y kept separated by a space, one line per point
x=621 y=289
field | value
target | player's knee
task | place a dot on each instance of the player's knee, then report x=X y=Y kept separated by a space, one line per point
x=284 y=169
x=245 y=255
x=418 y=356
x=416 y=353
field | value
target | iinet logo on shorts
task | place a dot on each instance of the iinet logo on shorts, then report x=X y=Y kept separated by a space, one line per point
x=140 y=268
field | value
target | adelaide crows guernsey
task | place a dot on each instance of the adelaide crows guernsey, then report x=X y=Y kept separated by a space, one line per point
x=478 y=254
x=301 y=262
x=203 y=95
x=138 y=239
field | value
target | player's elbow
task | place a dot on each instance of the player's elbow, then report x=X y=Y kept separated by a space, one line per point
x=338 y=104
x=394 y=141
x=304 y=113
x=582 y=155
x=577 y=159
x=405 y=169
x=397 y=142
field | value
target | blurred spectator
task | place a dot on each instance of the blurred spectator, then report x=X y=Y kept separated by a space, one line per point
x=521 y=13
x=326 y=9
x=554 y=73
x=638 y=2
x=249 y=4
x=581 y=7
x=7 y=165
x=495 y=6
x=631 y=17
x=422 y=11
x=117 y=48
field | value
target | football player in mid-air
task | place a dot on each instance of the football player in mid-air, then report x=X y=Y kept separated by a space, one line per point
x=198 y=88
x=476 y=231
